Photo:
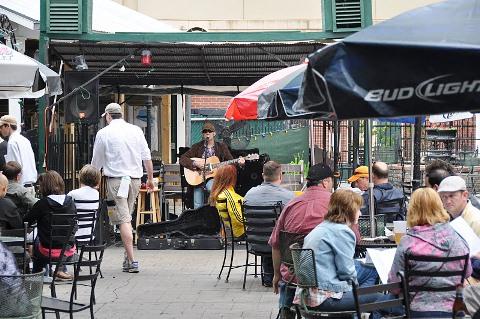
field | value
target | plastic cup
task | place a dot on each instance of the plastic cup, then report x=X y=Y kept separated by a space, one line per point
x=399 y=230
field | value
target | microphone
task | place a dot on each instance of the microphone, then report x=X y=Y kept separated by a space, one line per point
x=205 y=141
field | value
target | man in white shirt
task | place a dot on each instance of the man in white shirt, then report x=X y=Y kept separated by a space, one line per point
x=119 y=149
x=19 y=150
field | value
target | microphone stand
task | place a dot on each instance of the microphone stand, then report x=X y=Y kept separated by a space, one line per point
x=204 y=184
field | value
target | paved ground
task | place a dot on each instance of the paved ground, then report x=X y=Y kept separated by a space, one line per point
x=177 y=284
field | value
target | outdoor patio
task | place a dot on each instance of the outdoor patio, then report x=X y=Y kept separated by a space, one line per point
x=176 y=284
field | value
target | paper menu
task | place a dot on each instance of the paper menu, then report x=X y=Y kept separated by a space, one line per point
x=382 y=259
x=467 y=233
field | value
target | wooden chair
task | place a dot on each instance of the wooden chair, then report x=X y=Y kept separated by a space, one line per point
x=154 y=211
x=259 y=222
x=306 y=274
x=88 y=280
x=400 y=301
x=21 y=295
x=172 y=186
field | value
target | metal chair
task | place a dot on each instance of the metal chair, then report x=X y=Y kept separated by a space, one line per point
x=412 y=264
x=229 y=240
x=62 y=233
x=259 y=222
x=401 y=300
x=88 y=280
x=306 y=274
x=21 y=296
x=19 y=250
x=286 y=239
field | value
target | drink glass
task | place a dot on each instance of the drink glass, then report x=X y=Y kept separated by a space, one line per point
x=399 y=229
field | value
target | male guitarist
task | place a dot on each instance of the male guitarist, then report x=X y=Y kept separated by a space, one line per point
x=206 y=148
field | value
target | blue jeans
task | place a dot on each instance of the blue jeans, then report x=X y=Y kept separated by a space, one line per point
x=198 y=200
x=366 y=276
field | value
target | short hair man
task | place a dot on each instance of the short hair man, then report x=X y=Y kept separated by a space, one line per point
x=359 y=179
x=9 y=216
x=454 y=195
x=119 y=149
x=20 y=150
x=20 y=195
x=389 y=200
x=269 y=193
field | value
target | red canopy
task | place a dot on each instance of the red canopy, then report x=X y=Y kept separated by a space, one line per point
x=244 y=105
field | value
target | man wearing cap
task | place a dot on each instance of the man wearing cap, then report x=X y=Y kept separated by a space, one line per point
x=454 y=195
x=19 y=150
x=300 y=216
x=119 y=149
x=208 y=147
x=359 y=179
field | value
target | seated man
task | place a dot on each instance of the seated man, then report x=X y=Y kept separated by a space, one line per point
x=388 y=199
x=21 y=196
x=269 y=193
x=9 y=216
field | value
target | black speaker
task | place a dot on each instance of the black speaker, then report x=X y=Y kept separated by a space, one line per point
x=251 y=174
x=83 y=105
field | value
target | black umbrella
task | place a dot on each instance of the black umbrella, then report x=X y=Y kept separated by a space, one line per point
x=425 y=61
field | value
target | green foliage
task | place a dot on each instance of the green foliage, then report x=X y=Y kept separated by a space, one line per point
x=298 y=158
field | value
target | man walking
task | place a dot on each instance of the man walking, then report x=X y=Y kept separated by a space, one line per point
x=19 y=150
x=119 y=149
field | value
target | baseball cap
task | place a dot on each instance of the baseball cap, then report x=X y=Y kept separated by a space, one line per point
x=208 y=126
x=361 y=171
x=112 y=108
x=319 y=171
x=452 y=184
x=8 y=119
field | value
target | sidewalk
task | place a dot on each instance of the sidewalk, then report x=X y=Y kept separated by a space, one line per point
x=177 y=284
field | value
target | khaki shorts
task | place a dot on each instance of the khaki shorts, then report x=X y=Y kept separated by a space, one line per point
x=122 y=212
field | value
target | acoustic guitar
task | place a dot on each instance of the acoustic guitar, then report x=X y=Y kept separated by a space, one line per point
x=195 y=177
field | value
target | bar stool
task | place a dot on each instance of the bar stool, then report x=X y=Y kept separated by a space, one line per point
x=154 y=210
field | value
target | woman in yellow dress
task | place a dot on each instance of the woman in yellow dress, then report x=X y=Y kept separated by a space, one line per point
x=226 y=200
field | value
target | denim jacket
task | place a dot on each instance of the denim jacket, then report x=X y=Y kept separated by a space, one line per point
x=334 y=247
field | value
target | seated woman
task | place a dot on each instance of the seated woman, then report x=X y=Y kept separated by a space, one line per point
x=227 y=201
x=333 y=243
x=86 y=198
x=54 y=201
x=430 y=234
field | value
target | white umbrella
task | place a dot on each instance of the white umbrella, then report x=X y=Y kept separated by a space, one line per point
x=24 y=77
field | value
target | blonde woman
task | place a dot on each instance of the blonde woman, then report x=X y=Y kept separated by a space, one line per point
x=429 y=234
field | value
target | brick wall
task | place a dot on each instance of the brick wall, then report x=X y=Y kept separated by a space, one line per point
x=214 y=102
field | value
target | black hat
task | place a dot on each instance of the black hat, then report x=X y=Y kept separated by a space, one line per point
x=319 y=171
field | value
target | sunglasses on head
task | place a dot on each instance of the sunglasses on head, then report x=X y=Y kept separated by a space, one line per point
x=207 y=131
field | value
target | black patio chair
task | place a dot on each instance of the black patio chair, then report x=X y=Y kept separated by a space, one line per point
x=412 y=263
x=286 y=239
x=401 y=298
x=229 y=240
x=81 y=279
x=306 y=274
x=259 y=222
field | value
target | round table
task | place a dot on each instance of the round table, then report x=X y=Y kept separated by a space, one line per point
x=361 y=247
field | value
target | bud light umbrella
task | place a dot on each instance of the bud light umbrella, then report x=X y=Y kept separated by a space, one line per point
x=424 y=61
x=244 y=105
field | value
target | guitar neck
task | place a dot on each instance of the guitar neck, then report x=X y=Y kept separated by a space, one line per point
x=232 y=161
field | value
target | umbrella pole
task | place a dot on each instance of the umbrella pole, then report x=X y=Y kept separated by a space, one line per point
x=371 y=199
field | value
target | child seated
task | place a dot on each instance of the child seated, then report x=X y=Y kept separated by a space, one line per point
x=86 y=200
